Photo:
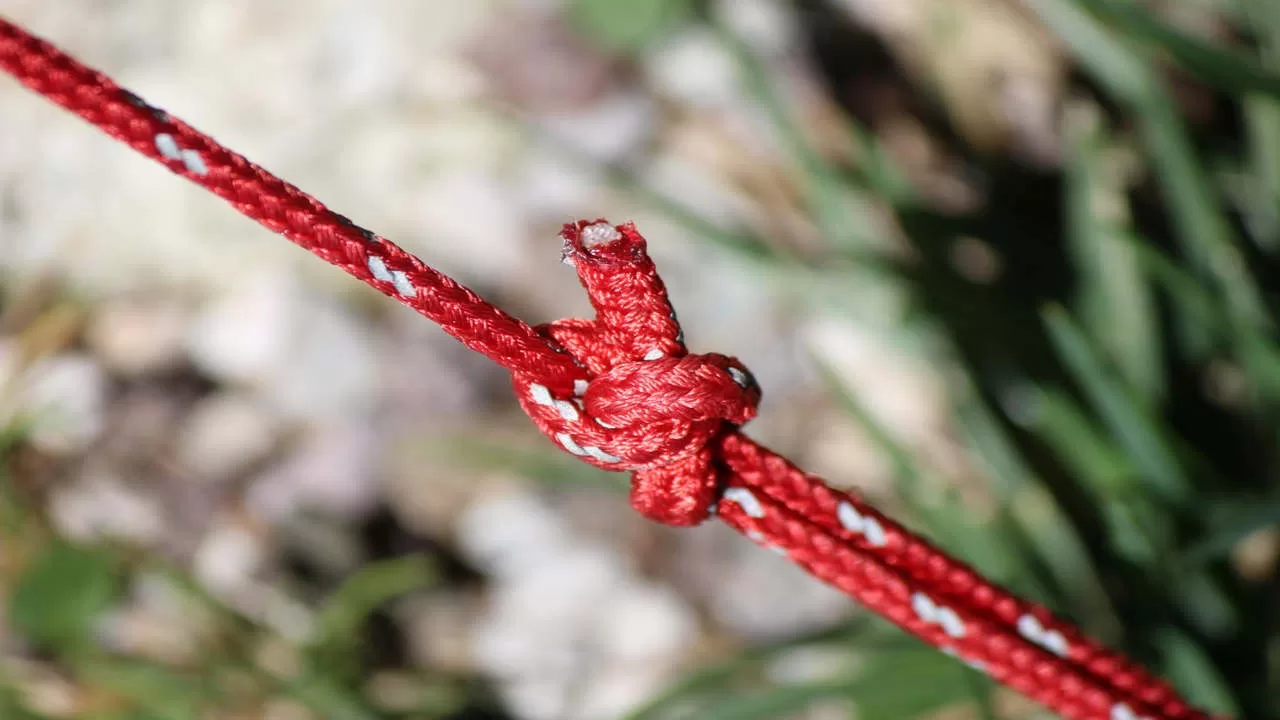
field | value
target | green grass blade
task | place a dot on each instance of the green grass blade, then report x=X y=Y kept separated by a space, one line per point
x=1228 y=69
x=773 y=702
x=330 y=700
x=1086 y=452
x=1199 y=224
x=1044 y=529
x=369 y=588
x=1205 y=320
x=1094 y=47
x=60 y=595
x=1231 y=523
x=1190 y=669
x=910 y=684
x=1131 y=425
x=627 y=26
x=1202 y=600
x=157 y=689
x=1261 y=201
x=1114 y=299
x=863 y=634
x=894 y=685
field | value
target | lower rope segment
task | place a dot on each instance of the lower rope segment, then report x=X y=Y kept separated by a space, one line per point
x=622 y=392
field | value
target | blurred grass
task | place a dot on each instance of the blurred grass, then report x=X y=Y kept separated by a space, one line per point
x=1118 y=484
x=1119 y=459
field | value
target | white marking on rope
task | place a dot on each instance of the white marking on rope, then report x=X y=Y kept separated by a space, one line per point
x=569 y=444
x=605 y=425
x=951 y=623
x=168 y=147
x=567 y=410
x=935 y=614
x=1120 y=711
x=739 y=377
x=654 y=354
x=379 y=269
x=540 y=394
x=194 y=162
x=1030 y=628
x=742 y=496
x=856 y=522
x=403 y=286
x=579 y=387
x=601 y=455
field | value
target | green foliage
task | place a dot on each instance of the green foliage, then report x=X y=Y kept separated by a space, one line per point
x=61 y=594
x=627 y=25
x=347 y=609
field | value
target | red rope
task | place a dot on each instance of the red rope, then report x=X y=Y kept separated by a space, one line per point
x=623 y=393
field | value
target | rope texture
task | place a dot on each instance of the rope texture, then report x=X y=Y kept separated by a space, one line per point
x=623 y=393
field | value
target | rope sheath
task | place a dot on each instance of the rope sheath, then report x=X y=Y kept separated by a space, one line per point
x=622 y=392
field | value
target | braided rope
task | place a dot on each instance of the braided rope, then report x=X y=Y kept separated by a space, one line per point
x=622 y=392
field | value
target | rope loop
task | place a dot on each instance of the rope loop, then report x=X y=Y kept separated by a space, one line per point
x=646 y=405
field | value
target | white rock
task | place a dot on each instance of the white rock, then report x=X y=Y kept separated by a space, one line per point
x=100 y=505
x=471 y=221
x=617 y=689
x=64 y=397
x=693 y=66
x=332 y=472
x=135 y=338
x=769 y=25
x=228 y=558
x=224 y=434
x=642 y=621
x=552 y=187
x=510 y=534
x=607 y=130
x=245 y=336
x=330 y=372
x=536 y=698
x=309 y=357
x=570 y=630
x=763 y=595
x=713 y=197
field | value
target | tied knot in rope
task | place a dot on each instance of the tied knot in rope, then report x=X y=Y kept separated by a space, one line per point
x=643 y=403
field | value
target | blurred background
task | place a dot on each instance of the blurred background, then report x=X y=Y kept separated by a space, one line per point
x=1007 y=267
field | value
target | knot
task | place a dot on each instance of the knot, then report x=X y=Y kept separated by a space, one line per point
x=643 y=403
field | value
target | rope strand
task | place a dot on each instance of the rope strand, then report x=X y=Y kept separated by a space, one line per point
x=622 y=392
